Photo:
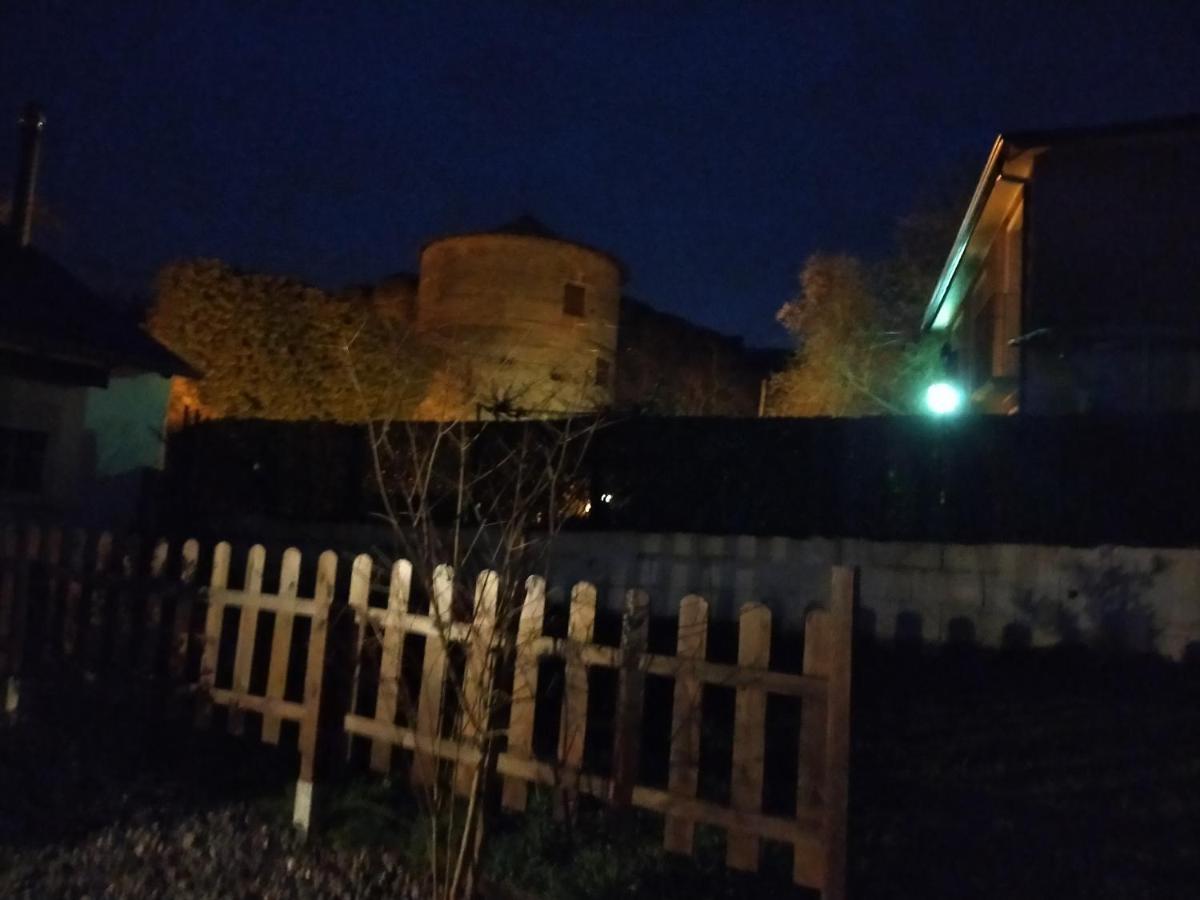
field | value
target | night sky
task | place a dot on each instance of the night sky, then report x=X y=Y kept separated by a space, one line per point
x=711 y=146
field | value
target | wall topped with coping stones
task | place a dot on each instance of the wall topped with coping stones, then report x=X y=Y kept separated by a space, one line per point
x=990 y=594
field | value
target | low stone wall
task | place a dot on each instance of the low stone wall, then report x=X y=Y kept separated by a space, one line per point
x=991 y=594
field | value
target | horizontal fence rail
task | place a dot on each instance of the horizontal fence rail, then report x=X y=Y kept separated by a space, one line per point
x=472 y=693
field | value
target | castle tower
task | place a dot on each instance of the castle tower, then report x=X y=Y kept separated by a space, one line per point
x=526 y=319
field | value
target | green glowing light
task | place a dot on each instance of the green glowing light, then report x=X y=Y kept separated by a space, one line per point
x=943 y=398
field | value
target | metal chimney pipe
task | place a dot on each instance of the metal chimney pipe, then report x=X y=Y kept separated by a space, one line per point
x=31 y=124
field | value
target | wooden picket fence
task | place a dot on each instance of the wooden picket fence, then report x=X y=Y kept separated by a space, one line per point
x=98 y=602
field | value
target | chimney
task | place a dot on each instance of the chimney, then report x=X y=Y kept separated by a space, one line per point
x=32 y=123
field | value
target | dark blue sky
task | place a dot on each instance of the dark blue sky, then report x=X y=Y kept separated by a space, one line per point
x=712 y=146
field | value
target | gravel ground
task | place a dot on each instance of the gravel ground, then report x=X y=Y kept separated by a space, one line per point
x=229 y=852
x=104 y=803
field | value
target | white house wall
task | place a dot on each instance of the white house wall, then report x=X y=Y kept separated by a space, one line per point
x=57 y=411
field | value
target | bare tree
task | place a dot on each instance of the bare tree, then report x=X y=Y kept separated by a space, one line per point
x=474 y=506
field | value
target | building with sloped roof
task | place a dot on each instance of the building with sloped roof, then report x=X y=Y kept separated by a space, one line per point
x=1073 y=284
x=83 y=388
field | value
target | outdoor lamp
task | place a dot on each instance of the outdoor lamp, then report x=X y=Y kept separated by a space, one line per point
x=944 y=397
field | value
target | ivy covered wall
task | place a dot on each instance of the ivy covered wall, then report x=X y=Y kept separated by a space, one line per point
x=273 y=348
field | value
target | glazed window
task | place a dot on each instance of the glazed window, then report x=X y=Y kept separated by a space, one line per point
x=603 y=371
x=573 y=296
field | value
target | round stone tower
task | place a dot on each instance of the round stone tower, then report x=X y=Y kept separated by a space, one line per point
x=526 y=320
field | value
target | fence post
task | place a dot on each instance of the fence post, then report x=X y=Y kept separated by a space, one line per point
x=302 y=810
x=684 y=776
x=749 y=732
x=281 y=641
x=478 y=675
x=389 y=661
x=808 y=867
x=837 y=730
x=524 y=689
x=635 y=624
x=433 y=677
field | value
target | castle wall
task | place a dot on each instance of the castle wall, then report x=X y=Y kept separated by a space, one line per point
x=495 y=304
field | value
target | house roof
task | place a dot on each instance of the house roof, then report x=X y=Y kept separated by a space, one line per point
x=1047 y=137
x=47 y=314
x=1002 y=173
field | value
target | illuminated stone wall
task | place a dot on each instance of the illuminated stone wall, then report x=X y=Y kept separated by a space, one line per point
x=513 y=323
x=270 y=347
x=496 y=306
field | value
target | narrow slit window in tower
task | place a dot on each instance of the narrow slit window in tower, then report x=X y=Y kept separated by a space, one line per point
x=573 y=295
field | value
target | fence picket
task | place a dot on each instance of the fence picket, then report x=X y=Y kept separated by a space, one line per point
x=212 y=631
x=181 y=625
x=524 y=690
x=123 y=595
x=152 y=615
x=73 y=593
x=16 y=589
x=684 y=772
x=477 y=678
x=837 y=733
x=52 y=602
x=433 y=676
x=281 y=642
x=313 y=681
x=359 y=602
x=811 y=773
x=749 y=732
x=8 y=586
x=27 y=555
x=581 y=624
x=389 y=661
x=243 y=657
x=97 y=605
x=635 y=626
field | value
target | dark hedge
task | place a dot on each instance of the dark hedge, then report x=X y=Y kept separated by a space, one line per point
x=1061 y=480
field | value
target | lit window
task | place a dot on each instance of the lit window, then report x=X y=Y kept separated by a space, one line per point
x=603 y=370
x=573 y=295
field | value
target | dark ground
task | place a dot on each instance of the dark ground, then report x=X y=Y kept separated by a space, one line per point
x=100 y=800
x=1025 y=774
x=1047 y=774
